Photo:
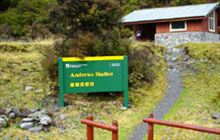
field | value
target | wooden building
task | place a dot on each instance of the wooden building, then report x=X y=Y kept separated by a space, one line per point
x=147 y=23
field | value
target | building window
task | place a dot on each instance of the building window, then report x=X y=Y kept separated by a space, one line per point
x=212 y=22
x=178 y=26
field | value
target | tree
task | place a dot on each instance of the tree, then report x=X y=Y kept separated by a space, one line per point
x=23 y=16
x=73 y=16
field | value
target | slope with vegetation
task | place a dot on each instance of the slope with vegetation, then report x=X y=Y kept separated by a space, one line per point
x=31 y=19
x=23 y=82
x=28 y=70
x=22 y=65
x=201 y=96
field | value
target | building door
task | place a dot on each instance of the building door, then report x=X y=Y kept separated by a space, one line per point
x=145 y=32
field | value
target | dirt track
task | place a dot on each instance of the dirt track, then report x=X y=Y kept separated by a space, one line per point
x=173 y=91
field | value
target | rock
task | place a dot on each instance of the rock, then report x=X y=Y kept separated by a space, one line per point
x=26 y=125
x=3 y=121
x=174 y=59
x=174 y=69
x=38 y=91
x=62 y=117
x=45 y=120
x=36 y=121
x=62 y=129
x=12 y=115
x=56 y=108
x=36 y=115
x=35 y=110
x=28 y=88
x=25 y=112
x=2 y=112
x=112 y=94
x=27 y=120
x=123 y=108
x=13 y=112
x=36 y=129
x=215 y=116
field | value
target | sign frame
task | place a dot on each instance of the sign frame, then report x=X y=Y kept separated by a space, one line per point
x=61 y=80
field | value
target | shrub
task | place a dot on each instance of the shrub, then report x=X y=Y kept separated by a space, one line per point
x=85 y=44
x=145 y=59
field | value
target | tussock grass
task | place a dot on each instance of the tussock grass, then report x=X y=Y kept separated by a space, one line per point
x=46 y=42
x=21 y=67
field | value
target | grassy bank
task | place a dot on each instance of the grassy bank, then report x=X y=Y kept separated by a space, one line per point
x=201 y=95
x=23 y=82
x=21 y=67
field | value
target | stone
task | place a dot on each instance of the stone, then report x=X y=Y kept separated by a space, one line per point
x=12 y=112
x=62 y=129
x=112 y=94
x=3 y=121
x=35 y=110
x=123 y=108
x=25 y=113
x=38 y=91
x=56 y=108
x=174 y=59
x=28 y=88
x=2 y=112
x=26 y=125
x=36 y=129
x=179 y=38
x=27 y=120
x=62 y=117
x=36 y=115
x=114 y=102
x=45 y=120
x=215 y=116
x=12 y=115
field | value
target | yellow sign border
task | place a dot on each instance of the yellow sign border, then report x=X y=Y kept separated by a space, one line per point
x=95 y=58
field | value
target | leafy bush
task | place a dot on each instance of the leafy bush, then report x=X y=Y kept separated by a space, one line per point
x=90 y=28
x=206 y=51
x=86 y=44
x=145 y=59
x=24 y=16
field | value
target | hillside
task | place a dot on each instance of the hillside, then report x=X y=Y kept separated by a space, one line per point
x=176 y=84
x=26 y=84
x=200 y=99
x=23 y=81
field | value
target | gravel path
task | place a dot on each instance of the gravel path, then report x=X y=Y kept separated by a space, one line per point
x=173 y=92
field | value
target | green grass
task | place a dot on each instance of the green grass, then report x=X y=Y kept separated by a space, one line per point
x=200 y=98
x=21 y=65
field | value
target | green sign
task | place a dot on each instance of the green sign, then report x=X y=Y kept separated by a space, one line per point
x=93 y=74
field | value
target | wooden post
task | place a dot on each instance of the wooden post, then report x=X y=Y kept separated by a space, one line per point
x=90 y=129
x=91 y=124
x=151 y=129
x=115 y=133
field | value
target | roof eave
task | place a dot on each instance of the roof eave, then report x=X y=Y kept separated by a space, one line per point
x=216 y=7
x=163 y=20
